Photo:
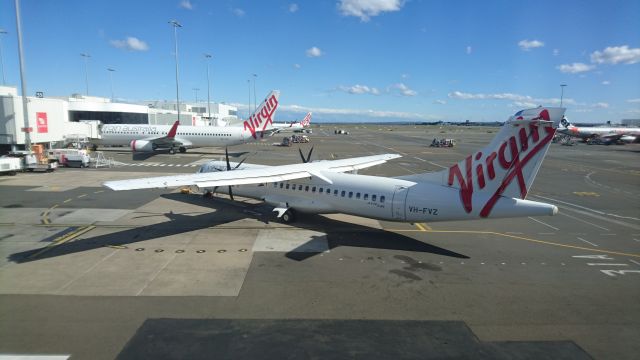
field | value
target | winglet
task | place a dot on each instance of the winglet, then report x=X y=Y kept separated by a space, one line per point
x=172 y=133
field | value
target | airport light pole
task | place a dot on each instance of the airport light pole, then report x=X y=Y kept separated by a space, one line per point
x=208 y=57
x=23 y=81
x=86 y=70
x=196 y=91
x=176 y=25
x=562 y=92
x=249 y=109
x=110 y=70
x=255 y=103
x=4 y=80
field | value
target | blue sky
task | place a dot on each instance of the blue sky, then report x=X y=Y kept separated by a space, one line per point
x=346 y=60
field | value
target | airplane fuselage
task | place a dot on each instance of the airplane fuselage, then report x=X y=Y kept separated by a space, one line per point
x=192 y=136
x=382 y=198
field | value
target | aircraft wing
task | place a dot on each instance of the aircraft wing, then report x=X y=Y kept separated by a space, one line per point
x=254 y=176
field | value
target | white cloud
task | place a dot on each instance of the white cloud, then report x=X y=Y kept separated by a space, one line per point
x=238 y=12
x=296 y=66
x=469 y=50
x=186 y=4
x=403 y=89
x=600 y=105
x=314 y=52
x=527 y=45
x=293 y=8
x=516 y=98
x=575 y=68
x=556 y=52
x=615 y=55
x=606 y=82
x=130 y=43
x=404 y=76
x=359 y=89
x=634 y=101
x=439 y=102
x=359 y=112
x=524 y=104
x=365 y=9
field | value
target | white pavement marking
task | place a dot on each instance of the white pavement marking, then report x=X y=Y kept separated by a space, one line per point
x=420 y=159
x=635 y=262
x=586 y=222
x=636 y=240
x=543 y=223
x=633 y=226
x=606 y=264
x=588 y=242
x=85 y=272
x=438 y=165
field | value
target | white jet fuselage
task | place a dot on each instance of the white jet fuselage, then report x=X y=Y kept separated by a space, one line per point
x=193 y=136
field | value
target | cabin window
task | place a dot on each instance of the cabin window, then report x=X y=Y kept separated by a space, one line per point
x=320 y=190
x=287 y=187
x=313 y=189
x=335 y=192
x=281 y=185
x=350 y=194
x=300 y=187
x=328 y=191
x=382 y=198
x=366 y=197
x=373 y=197
x=342 y=193
x=306 y=188
x=275 y=184
x=357 y=195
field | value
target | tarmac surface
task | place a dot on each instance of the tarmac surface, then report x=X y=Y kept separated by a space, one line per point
x=96 y=274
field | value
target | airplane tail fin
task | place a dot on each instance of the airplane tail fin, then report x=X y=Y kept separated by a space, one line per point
x=258 y=123
x=306 y=121
x=508 y=165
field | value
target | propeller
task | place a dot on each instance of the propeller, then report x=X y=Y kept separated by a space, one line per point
x=226 y=153
x=306 y=160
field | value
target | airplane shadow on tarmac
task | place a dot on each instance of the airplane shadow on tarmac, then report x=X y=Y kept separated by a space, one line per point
x=338 y=233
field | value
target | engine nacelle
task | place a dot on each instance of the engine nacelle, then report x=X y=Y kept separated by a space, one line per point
x=142 y=146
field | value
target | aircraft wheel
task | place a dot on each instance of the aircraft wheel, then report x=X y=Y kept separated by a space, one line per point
x=172 y=151
x=182 y=149
x=288 y=217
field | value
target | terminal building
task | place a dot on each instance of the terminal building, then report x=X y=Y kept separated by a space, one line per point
x=56 y=120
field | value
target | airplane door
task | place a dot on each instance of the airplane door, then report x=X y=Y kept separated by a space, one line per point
x=398 y=203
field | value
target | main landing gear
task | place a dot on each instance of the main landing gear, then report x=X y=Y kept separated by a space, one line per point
x=182 y=149
x=284 y=214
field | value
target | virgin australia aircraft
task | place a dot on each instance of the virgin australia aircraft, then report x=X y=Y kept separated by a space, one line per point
x=294 y=125
x=490 y=183
x=149 y=138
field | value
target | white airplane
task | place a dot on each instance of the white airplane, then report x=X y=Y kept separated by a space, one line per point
x=295 y=125
x=149 y=138
x=490 y=183
x=607 y=135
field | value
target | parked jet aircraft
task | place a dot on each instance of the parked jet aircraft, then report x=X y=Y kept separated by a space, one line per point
x=605 y=134
x=148 y=138
x=492 y=182
x=295 y=125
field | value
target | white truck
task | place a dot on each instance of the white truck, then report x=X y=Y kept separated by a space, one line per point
x=10 y=165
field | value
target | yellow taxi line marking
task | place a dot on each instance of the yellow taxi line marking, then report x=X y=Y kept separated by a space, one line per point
x=419 y=226
x=63 y=239
x=45 y=215
x=524 y=238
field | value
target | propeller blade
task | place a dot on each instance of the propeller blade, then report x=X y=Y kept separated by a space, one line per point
x=302 y=156
x=240 y=163
x=230 y=193
x=309 y=155
x=226 y=153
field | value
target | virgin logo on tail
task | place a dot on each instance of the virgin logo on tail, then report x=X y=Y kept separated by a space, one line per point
x=262 y=118
x=510 y=160
x=306 y=121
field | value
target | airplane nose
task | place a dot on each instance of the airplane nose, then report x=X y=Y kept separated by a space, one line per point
x=554 y=211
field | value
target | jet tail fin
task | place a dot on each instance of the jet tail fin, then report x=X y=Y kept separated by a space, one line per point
x=508 y=165
x=306 y=121
x=258 y=123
